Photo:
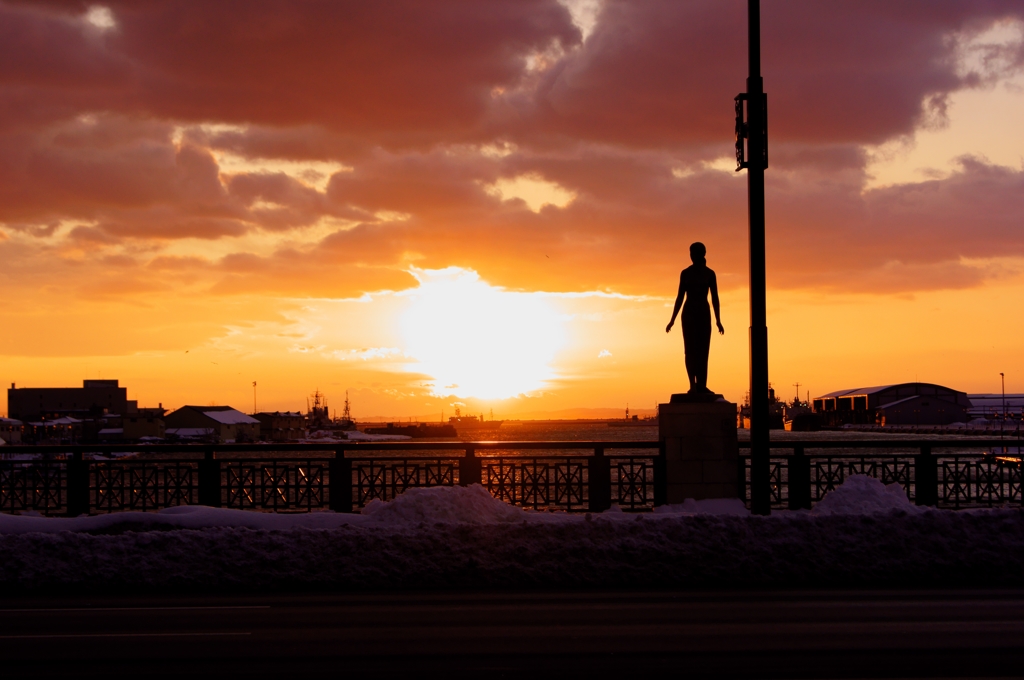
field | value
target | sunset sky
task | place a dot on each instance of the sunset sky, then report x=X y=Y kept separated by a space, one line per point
x=487 y=204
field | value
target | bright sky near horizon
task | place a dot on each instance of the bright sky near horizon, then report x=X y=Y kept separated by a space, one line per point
x=487 y=205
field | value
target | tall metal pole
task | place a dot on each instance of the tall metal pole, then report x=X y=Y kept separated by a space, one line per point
x=760 y=489
x=1002 y=421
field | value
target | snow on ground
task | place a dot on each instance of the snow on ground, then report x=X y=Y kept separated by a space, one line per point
x=452 y=505
x=710 y=506
x=862 y=495
x=862 y=534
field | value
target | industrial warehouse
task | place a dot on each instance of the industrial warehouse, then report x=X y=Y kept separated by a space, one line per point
x=912 y=404
x=903 y=404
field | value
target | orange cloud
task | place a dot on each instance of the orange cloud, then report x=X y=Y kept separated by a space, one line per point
x=203 y=161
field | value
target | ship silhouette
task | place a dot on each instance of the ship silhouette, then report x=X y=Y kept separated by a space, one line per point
x=461 y=422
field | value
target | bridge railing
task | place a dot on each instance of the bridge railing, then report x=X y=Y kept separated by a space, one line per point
x=574 y=476
x=952 y=474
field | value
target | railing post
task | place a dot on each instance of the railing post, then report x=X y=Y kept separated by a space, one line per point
x=469 y=469
x=209 y=480
x=799 y=480
x=600 y=482
x=78 y=485
x=660 y=476
x=926 y=477
x=340 y=484
x=742 y=488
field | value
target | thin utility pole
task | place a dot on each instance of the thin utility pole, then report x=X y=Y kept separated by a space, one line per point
x=1002 y=421
x=755 y=159
x=254 y=397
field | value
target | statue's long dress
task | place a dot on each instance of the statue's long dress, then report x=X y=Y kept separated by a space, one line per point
x=697 y=338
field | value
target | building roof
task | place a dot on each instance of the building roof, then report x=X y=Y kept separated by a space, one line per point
x=855 y=391
x=280 y=413
x=225 y=415
x=859 y=391
x=190 y=431
x=230 y=416
x=904 y=400
x=10 y=421
x=996 y=399
x=66 y=420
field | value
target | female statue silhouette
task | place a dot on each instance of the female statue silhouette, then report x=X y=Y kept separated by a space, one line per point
x=694 y=283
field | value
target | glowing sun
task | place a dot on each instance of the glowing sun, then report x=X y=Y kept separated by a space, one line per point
x=476 y=340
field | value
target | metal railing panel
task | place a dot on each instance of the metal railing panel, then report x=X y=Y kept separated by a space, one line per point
x=36 y=486
x=539 y=483
x=941 y=473
x=114 y=486
x=384 y=479
x=278 y=485
x=542 y=475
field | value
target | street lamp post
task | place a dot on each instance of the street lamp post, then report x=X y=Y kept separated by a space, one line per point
x=754 y=158
x=1002 y=421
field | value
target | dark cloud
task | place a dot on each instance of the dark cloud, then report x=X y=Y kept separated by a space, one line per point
x=407 y=72
x=103 y=128
x=663 y=73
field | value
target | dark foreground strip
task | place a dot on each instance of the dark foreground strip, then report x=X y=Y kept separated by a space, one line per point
x=937 y=549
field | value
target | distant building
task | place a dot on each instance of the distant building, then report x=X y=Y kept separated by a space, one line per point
x=901 y=404
x=215 y=423
x=279 y=426
x=10 y=430
x=98 y=411
x=64 y=430
x=144 y=423
x=108 y=435
x=92 y=399
x=990 y=406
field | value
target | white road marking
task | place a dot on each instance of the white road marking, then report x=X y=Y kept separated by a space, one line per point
x=117 y=635
x=132 y=609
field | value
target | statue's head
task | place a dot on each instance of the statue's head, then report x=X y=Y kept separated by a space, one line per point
x=698 y=253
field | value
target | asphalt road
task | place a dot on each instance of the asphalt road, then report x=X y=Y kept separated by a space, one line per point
x=734 y=634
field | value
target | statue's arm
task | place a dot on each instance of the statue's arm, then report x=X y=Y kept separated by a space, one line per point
x=715 y=303
x=679 y=302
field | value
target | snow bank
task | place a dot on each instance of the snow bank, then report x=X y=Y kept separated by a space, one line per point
x=449 y=504
x=709 y=506
x=182 y=517
x=673 y=551
x=415 y=507
x=453 y=537
x=864 y=495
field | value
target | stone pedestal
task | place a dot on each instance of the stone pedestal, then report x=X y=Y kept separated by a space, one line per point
x=702 y=456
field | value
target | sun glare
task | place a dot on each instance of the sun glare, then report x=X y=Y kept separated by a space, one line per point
x=475 y=340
